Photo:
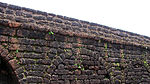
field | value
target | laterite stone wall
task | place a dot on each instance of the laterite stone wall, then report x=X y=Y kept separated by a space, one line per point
x=44 y=48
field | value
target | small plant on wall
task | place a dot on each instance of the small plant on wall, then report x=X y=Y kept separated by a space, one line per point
x=144 y=55
x=51 y=33
x=145 y=63
x=79 y=65
x=106 y=50
x=78 y=62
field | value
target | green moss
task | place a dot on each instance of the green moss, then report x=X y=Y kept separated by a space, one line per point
x=109 y=55
x=65 y=50
x=15 y=37
x=117 y=64
x=106 y=46
x=76 y=78
x=105 y=56
x=79 y=67
x=82 y=68
x=24 y=70
x=145 y=62
x=51 y=33
x=17 y=51
x=15 y=57
x=118 y=68
x=122 y=55
x=111 y=73
x=76 y=64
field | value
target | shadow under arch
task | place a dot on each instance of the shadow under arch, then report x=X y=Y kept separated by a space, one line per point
x=7 y=75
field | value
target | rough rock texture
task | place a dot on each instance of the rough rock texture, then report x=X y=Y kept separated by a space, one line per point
x=53 y=49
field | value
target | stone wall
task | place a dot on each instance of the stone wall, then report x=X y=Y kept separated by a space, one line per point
x=53 y=49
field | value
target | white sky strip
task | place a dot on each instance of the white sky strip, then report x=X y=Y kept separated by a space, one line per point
x=129 y=15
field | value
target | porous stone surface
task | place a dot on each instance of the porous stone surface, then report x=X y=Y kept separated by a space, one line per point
x=53 y=49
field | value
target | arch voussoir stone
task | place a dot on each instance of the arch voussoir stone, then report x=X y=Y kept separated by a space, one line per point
x=1 y=48
x=4 y=53
x=10 y=66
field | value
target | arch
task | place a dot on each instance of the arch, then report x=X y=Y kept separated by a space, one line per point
x=7 y=74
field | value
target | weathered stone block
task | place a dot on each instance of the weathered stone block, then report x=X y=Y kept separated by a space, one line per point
x=26 y=61
x=61 y=66
x=102 y=72
x=61 y=72
x=3 y=38
x=87 y=72
x=14 y=64
x=7 y=31
x=20 y=19
x=19 y=70
x=34 y=79
x=94 y=81
x=35 y=73
x=39 y=17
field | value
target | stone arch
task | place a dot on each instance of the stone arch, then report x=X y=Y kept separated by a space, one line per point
x=7 y=74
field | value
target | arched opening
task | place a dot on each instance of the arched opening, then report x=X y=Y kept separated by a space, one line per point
x=7 y=75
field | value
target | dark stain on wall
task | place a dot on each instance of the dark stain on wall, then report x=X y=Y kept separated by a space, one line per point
x=46 y=48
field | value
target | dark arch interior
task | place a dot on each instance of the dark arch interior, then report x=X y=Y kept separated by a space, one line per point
x=6 y=73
